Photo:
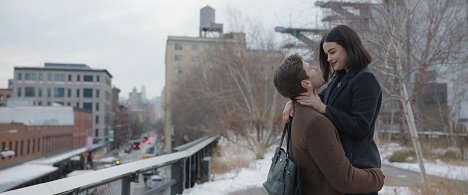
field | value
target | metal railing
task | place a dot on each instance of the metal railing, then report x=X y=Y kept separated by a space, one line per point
x=186 y=168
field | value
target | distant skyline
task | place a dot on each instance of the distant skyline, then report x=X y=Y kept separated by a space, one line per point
x=128 y=38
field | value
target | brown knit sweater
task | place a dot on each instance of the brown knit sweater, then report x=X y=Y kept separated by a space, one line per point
x=323 y=166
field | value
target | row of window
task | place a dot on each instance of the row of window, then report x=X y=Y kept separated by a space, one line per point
x=181 y=58
x=58 y=92
x=196 y=46
x=32 y=76
x=86 y=105
x=178 y=46
x=32 y=146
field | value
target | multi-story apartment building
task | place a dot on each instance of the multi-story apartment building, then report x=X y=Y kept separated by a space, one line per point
x=75 y=85
x=183 y=52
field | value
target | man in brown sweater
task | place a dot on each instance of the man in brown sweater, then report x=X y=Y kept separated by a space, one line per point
x=323 y=166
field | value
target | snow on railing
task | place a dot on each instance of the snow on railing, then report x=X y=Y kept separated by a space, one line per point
x=185 y=170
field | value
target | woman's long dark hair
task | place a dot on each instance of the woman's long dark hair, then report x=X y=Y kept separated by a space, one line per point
x=358 y=56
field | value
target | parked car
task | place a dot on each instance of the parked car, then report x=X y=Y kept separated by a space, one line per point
x=128 y=148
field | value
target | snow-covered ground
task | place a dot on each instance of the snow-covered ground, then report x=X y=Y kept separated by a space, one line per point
x=254 y=175
x=437 y=168
x=250 y=177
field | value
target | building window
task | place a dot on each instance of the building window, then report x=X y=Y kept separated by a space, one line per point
x=59 y=77
x=97 y=93
x=178 y=70
x=97 y=106
x=28 y=147
x=97 y=78
x=96 y=133
x=97 y=119
x=77 y=77
x=59 y=92
x=108 y=96
x=178 y=46
x=39 y=77
x=29 y=92
x=19 y=91
x=214 y=47
x=69 y=92
x=49 y=77
x=88 y=106
x=48 y=103
x=69 y=77
x=34 y=146
x=38 y=144
x=21 y=148
x=78 y=93
x=39 y=103
x=77 y=104
x=16 y=148
x=87 y=92
x=69 y=104
x=195 y=58
x=20 y=76
x=88 y=78
x=178 y=58
x=39 y=92
x=10 y=147
x=30 y=76
x=195 y=46
x=108 y=81
x=49 y=92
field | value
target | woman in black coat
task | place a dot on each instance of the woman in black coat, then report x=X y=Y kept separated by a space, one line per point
x=352 y=98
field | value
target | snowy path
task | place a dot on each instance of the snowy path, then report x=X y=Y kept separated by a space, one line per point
x=399 y=175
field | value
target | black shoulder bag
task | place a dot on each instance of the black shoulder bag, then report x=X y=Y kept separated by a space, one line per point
x=283 y=176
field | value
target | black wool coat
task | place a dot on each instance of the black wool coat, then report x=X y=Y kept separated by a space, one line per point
x=353 y=102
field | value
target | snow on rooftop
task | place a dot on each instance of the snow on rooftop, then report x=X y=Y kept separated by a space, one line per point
x=57 y=158
x=37 y=115
x=17 y=175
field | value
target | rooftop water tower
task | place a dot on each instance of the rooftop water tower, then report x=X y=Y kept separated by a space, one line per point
x=207 y=22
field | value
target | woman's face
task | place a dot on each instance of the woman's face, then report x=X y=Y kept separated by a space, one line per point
x=336 y=55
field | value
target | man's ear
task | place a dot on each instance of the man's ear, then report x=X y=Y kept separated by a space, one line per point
x=306 y=84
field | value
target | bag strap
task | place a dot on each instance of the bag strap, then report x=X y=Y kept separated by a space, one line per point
x=289 y=142
x=284 y=133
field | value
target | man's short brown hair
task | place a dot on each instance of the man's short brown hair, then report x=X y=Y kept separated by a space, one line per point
x=289 y=75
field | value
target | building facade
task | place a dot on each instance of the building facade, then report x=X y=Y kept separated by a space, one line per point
x=30 y=142
x=75 y=85
x=82 y=127
x=183 y=52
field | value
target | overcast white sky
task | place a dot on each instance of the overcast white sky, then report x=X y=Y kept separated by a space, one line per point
x=126 y=37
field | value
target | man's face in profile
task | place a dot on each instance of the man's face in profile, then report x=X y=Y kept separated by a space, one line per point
x=315 y=75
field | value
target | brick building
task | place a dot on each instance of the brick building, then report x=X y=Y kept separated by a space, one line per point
x=32 y=142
